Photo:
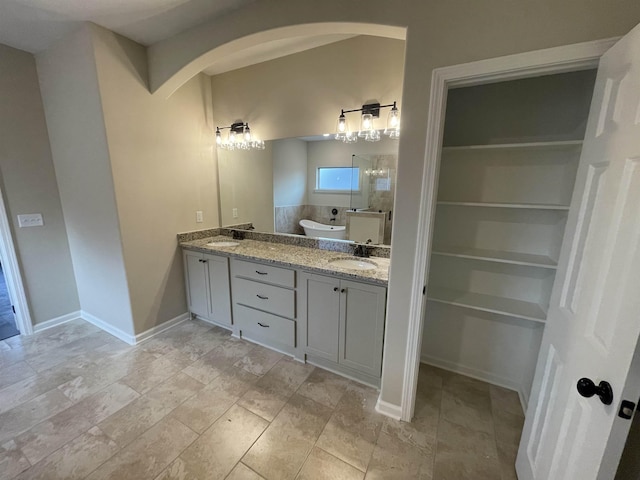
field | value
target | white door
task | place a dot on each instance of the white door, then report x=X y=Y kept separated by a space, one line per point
x=594 y=316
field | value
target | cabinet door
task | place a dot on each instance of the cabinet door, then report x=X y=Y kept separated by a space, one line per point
x=321 y=307
x=219 y=298
x=196 y=283
x=362 y=315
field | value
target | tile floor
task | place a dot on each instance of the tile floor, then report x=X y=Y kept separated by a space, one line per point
x=195 y=403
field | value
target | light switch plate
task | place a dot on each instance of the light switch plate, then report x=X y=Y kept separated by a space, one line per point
x=199 y=216
x=235 y=213
x=30 y=220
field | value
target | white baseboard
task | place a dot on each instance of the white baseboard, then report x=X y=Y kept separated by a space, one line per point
x=147 y=334
x=54 y=322
x=131 y=339
x=389 y=409
x=116 y=332
x=478 y=374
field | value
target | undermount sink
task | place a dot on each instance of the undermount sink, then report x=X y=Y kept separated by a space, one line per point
x=223 y=244
x=353 y=263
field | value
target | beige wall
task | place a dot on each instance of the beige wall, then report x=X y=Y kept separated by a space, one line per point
x=290 y=96
x=289 y=172
x=161 y=154
x=331 y=153
x=70 y=92
x=438 y=34
x=29 y=186
x=246 y=183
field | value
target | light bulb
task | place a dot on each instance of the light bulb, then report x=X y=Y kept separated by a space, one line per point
x=247 y=133
x=218 y=136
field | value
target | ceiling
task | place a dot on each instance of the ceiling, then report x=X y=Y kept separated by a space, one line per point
x=33 y=25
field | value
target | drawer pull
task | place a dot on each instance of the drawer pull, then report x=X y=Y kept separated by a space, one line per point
x=263 y=325
x=262 y=273
x=262 y=297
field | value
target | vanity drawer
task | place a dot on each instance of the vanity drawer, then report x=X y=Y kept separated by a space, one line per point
x=265 y=325
x=270 y=298
x=264 y=273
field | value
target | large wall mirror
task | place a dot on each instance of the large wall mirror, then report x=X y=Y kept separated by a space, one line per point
x=342 y=190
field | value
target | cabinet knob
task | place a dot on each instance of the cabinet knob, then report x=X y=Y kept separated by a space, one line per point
x=343 y=290
x=335 y=289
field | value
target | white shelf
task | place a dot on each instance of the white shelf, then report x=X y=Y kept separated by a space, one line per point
x=530 y=206
x=498 y=256
x=489 y=303
x=529 y=145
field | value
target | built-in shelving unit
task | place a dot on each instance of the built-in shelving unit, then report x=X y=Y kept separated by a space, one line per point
x=498 y=256
x=500 y=218
x=489 y=303
x=538 y=206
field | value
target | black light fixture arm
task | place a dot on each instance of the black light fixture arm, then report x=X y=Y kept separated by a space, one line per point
x=372 y=108
x=237 y=127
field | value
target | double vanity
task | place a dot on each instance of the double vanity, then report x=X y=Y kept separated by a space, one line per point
x=324 y=307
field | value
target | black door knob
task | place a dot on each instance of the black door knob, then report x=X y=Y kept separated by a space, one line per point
x=588 y=389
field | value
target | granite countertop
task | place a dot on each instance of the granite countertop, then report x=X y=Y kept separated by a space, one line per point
x=309 y=259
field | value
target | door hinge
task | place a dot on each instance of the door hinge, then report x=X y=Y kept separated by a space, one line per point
x=13 y=308
x=424 y=289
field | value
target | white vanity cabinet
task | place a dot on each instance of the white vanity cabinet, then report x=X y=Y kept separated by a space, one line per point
x=207 y=285
x=264 y=304
x=342 y=325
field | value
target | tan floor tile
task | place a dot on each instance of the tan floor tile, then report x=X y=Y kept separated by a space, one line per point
x=324 y=387
x=286 y=376
x=156 y=372
x=204 y=408
x=507 y=456
x=321 y=465
x=18 y=371
x=76 y=348
x=259 y=360
x=508 y=427
x=218 y=449
x=504 y=400
x=149 y=454
x=54 y=432
x=463 y=386
x=30 y=388
x=26 y=415
x=130 y=422
x=430 y=377
x=218 y=360
x=465 y=453
x=76 y=459
x=12 y=461
x=263 y=401
x=469 y=411
x=395 y=459
x=353 y=429
x=282 y=449
x=194 y=339
x=242 y=472
x=13 y=356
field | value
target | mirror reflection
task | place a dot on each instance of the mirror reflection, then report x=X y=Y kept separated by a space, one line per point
x=312 y=185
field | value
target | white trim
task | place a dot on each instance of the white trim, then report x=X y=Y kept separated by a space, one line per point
x=54 y=322
x=542 y=62
x=116 y=332
x=131 y=339
x=388 y=409
x=478 y=374
x=147 y=334
x=13 y=277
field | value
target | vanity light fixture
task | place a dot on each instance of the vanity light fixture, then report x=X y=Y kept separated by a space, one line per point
x=370 y=112
x=239 y=138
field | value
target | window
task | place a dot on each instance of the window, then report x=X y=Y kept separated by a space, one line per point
x=340 y=179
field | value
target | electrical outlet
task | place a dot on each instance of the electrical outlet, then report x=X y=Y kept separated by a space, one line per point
x=30 y=220
x=235 y=213
x=199 y=216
